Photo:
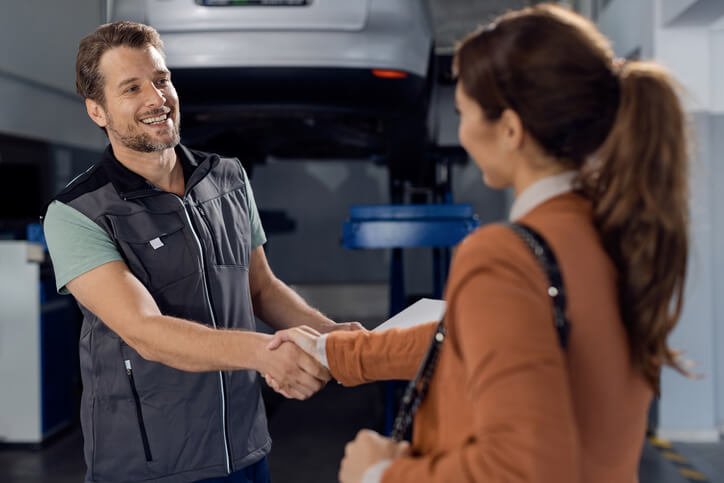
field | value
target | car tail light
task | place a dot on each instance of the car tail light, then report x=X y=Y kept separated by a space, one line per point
x=389 y=74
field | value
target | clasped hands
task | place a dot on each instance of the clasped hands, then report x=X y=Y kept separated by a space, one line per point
x=291 y=365
x=369 y=447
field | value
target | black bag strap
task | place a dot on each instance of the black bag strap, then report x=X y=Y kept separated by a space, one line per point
x=549 y=264
x=417 y=388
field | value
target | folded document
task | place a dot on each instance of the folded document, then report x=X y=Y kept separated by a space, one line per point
x=422 y=311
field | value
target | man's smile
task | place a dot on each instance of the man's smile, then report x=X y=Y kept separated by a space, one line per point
x=154 y=120
x=158 y=117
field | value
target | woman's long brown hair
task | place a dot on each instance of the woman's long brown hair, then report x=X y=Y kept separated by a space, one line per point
x=622 y=126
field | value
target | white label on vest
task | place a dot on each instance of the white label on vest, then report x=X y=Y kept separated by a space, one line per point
x=156 y=243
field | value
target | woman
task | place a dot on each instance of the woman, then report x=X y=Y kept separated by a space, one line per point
x=596 y=154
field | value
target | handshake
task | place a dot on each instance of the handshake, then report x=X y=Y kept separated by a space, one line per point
x=302 y=371
x=294 y=363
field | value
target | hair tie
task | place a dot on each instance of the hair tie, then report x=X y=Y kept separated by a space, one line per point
x=618 y=64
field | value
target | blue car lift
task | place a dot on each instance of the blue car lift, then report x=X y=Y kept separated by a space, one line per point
x=439 y=226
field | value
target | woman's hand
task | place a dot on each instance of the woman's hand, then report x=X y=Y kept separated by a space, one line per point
x=367 y=449
x=303 y=336
x=307 y=339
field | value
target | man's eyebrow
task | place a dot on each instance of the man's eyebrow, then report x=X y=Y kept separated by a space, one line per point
x=127 y=81
x=162 y=72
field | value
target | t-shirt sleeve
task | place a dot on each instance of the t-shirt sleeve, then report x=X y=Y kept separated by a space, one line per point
x=76 y=243
x=258 y=237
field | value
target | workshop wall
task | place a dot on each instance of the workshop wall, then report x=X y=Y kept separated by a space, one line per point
x=688 y=38
x=43 y=123
x=37 y=70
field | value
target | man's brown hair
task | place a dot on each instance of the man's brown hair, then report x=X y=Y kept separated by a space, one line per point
x=88 y=78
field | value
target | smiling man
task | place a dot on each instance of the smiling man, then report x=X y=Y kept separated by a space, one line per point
x=162 y=248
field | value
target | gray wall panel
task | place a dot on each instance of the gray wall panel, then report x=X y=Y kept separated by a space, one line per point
x=37 y=70
x=688 y=404
x=717 y=253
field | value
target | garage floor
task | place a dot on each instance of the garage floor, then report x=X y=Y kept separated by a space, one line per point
x=332 y=418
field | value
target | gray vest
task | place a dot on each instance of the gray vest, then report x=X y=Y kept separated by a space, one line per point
x=144 y=421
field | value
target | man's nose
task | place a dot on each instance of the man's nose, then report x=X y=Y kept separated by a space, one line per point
x=155 y=97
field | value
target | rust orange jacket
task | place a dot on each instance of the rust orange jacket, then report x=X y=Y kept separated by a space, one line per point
x=506 y=404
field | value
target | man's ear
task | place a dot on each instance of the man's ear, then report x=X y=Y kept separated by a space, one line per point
x=511 y=130
x=96 y=112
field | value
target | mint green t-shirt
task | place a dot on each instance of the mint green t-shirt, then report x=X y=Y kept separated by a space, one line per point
x=77 y=244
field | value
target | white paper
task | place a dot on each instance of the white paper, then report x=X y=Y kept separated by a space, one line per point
x=422 y=311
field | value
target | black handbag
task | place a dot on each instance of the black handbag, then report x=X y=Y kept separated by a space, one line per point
x=417 y=388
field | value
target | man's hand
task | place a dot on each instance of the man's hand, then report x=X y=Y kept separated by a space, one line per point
x=367 y=449
x=304 y=337
x=294 y=373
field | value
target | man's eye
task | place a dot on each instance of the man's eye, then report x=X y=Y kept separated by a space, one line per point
x=132 y=89
x=162 y=82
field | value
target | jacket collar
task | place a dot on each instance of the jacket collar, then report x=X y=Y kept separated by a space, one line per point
x=130 y=185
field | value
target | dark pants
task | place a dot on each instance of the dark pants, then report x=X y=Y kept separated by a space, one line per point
x=255 y=473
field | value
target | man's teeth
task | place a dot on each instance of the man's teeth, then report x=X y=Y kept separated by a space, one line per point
x=151 y=120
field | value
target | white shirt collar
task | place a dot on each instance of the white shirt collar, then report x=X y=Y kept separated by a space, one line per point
x=540 y=192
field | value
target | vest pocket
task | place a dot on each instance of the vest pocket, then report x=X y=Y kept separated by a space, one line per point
x=226 y=220
x=139 y=412
x=217 y=249
x=155 y=247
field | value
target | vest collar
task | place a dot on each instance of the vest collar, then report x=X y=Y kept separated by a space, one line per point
x=131 y=185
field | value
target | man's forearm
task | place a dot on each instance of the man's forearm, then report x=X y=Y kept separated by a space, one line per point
x=194 y=347
x=282 y=308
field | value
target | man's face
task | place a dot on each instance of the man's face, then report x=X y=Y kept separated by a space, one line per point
x=141 y=105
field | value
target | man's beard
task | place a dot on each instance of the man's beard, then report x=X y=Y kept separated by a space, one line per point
x=143 y=142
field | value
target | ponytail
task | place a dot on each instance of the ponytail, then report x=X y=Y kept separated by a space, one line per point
x=637 y=181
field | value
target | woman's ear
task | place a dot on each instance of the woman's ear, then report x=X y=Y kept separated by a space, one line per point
x=96 y=112
x=511 y=130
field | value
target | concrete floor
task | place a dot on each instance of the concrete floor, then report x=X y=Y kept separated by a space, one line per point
x=333 y=417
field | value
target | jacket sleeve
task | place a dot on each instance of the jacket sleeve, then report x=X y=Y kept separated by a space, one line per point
x=359 y=357
x=501 y=329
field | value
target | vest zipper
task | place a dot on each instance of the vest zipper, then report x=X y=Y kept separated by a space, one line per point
x=213 y=321
x=139 y=413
